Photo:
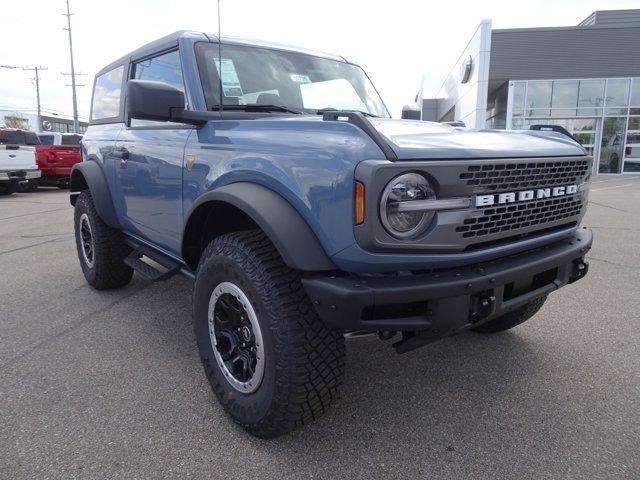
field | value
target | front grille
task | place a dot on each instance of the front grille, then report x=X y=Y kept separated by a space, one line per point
x=507 y=218
x=523 y=175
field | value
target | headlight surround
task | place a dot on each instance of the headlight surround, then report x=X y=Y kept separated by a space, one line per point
x=403 y=188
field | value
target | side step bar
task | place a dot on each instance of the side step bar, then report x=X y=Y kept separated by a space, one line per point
x=134 y=260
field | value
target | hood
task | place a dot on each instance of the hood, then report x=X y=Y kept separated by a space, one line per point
x=413 y=139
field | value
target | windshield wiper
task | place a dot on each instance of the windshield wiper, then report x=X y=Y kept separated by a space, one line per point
x=331 y=109
x=255 y=107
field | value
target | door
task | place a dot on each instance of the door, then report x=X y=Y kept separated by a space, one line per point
x=612 y=144
x=149 y=166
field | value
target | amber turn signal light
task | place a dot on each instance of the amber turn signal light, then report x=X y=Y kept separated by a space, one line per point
x=359 y=203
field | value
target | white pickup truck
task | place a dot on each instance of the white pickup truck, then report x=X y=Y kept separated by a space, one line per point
x=18 y=160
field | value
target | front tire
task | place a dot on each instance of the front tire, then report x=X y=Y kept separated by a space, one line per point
x=270 y=360
x=101 y=249
x=512 y=319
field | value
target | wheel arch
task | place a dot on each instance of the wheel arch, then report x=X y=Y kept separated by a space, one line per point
x=89 y=175
x=244 y=206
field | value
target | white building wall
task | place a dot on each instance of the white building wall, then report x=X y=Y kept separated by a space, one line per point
x=469 y=99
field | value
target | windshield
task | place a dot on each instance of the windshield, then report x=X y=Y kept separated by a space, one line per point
x=298 y=82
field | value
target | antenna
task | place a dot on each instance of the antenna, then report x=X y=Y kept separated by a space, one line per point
x=219 y=60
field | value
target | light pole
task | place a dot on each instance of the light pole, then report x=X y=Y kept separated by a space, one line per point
x=73 y=72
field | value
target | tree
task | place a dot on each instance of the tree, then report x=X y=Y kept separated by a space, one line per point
x=14 y=120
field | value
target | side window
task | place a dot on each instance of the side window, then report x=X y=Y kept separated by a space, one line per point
x=106 y=95
x=163 y=68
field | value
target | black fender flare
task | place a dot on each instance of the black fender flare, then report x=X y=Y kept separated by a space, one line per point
x=89 y=174
x=279 y=220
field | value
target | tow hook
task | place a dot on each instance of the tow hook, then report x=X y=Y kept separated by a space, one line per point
x=580 y=269
x=482 y=305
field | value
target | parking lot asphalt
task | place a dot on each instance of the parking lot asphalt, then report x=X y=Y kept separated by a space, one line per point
x=109 y=384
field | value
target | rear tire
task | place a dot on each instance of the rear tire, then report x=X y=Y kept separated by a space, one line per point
x=302 y=359
x=101 y=249
x=7 y=188
x=512 y=319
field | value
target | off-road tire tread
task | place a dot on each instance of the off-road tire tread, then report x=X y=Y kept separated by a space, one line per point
x=310 y=356
x=512 y=319
x=109 y=246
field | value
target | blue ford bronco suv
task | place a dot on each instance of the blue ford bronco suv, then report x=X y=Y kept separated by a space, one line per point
x=276 y=179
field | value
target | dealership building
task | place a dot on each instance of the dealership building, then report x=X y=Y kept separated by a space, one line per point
x=45 y=122
x=585 y=78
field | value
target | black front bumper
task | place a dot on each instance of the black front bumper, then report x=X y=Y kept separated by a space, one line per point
x=444 y=302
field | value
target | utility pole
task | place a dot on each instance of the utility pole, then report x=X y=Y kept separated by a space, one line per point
x=73 y=72
x=36 y=71
x=37 y=79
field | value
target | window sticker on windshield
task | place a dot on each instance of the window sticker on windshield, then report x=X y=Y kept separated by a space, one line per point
x=230 y=82
x=298 y=78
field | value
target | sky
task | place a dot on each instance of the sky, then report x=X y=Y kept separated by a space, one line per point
x=397 y=43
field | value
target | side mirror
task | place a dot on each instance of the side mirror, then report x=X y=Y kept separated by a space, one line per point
x=147 y=100
x=411 y=112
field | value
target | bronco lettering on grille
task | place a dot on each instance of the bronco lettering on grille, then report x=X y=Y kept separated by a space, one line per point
x=524 y=195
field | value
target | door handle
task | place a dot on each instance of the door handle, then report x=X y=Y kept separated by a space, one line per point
x=123 y=155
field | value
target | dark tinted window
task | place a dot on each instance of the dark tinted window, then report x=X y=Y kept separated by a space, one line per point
x=46 y=139
x=32 y=138
x=106 y=95
x=71 y=139
x=12 y=137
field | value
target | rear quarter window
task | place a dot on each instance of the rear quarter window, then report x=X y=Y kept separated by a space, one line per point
x=71 y=140
x=107 y=94
x=46 y=139
x=31 y=138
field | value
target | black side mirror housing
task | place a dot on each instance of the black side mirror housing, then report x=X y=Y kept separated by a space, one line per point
x=148 y=100
x=411 y=112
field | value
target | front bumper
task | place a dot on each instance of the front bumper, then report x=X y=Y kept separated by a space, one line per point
x=444 y=302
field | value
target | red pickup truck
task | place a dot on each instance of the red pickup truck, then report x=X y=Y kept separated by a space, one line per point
x=56 y=156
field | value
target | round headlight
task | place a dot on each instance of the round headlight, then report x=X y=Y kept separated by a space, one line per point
x=408 y=187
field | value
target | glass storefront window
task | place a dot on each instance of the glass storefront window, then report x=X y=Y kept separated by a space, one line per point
x=603 y=115
x=565 y=94
x=634 y=101
x=563 y=112
x=615 y=111
x=518 y=95
x=612 y=144
x=617 y=92
x=590 y=97
x=539 y=96
x=538 y=112
x=584 y=124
